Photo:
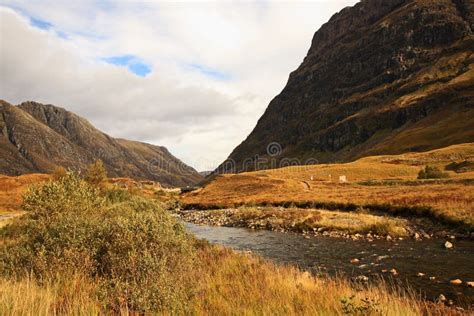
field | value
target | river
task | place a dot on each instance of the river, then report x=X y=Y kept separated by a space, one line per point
x=333 y=256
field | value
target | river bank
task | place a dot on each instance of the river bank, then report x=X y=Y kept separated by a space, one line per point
x=421 y=268
x=359 y=225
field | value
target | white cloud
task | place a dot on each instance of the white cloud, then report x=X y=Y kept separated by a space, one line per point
x=214 y=65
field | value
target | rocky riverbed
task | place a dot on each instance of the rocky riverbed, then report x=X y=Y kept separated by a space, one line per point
x=353 y=227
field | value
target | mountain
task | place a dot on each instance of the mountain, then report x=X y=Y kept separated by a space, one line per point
x=381 y=77
x=36 y=137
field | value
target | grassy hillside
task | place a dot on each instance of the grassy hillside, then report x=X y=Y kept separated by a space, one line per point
x=379 y=182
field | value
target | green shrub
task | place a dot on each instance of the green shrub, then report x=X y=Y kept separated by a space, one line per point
x=140 y=256
x=431 y=172
x=117 y=195
x=67 y=194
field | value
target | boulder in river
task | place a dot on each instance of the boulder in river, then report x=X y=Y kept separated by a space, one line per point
x=456 y=282
x=470 y=284
x=420 y=274
x=355 y=260
x=448 y=245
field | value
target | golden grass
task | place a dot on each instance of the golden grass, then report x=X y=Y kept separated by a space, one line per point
x=229 y=284
x=246 y=285
x=13 y=188
x=451 y=200
x=68 y=296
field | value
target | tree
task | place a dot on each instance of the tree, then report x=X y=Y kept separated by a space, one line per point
x=96 y=173
x=59 y=173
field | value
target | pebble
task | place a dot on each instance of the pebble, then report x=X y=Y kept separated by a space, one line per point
x=441 y=298
x=355 y=260
x=448 y=245
x=432 y=278
x=470 y=284
x=394 y=272
x=455 y=282
x=361 y=279
x=420 y=274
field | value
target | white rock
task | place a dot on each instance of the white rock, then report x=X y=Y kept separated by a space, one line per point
x=441 y=298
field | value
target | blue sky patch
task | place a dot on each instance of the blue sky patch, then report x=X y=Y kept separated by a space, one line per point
x=44 y=25
x=209 y=72
x=133 y=64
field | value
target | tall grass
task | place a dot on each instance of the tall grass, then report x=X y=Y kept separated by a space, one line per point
x=239 y=284
x=65 y=296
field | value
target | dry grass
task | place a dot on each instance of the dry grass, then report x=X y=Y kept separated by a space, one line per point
x=68 y=296
x=229 y=284
x=246 y=285
x=13 y=188
x=450 y=201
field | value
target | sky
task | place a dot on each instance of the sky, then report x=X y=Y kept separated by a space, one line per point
x=193 y=76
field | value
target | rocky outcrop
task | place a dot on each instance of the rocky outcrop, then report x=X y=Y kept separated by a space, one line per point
x=382 y=77
x=36 y=137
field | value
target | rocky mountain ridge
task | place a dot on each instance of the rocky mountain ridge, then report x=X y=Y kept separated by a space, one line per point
x=35 y=137
x=381 y=77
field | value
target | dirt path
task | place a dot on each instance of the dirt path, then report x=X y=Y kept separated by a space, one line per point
x=306 y=185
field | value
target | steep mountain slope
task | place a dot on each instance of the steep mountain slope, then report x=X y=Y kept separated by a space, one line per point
x=382 y=77
x=36 y=138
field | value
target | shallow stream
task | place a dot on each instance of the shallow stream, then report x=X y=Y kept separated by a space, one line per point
x=333 y=256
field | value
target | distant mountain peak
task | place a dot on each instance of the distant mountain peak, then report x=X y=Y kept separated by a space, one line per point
x=37 y=137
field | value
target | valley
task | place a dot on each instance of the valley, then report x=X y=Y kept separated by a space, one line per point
x=353 y=193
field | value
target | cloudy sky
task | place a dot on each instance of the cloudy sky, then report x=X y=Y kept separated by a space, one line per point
x=191 y=76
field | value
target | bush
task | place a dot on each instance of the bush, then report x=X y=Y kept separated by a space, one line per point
x=58 y=173
x=117 y=195
x=96 y=174
x=431 y=172
x=140 y=256
x=67 y=194
x=461 y=167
